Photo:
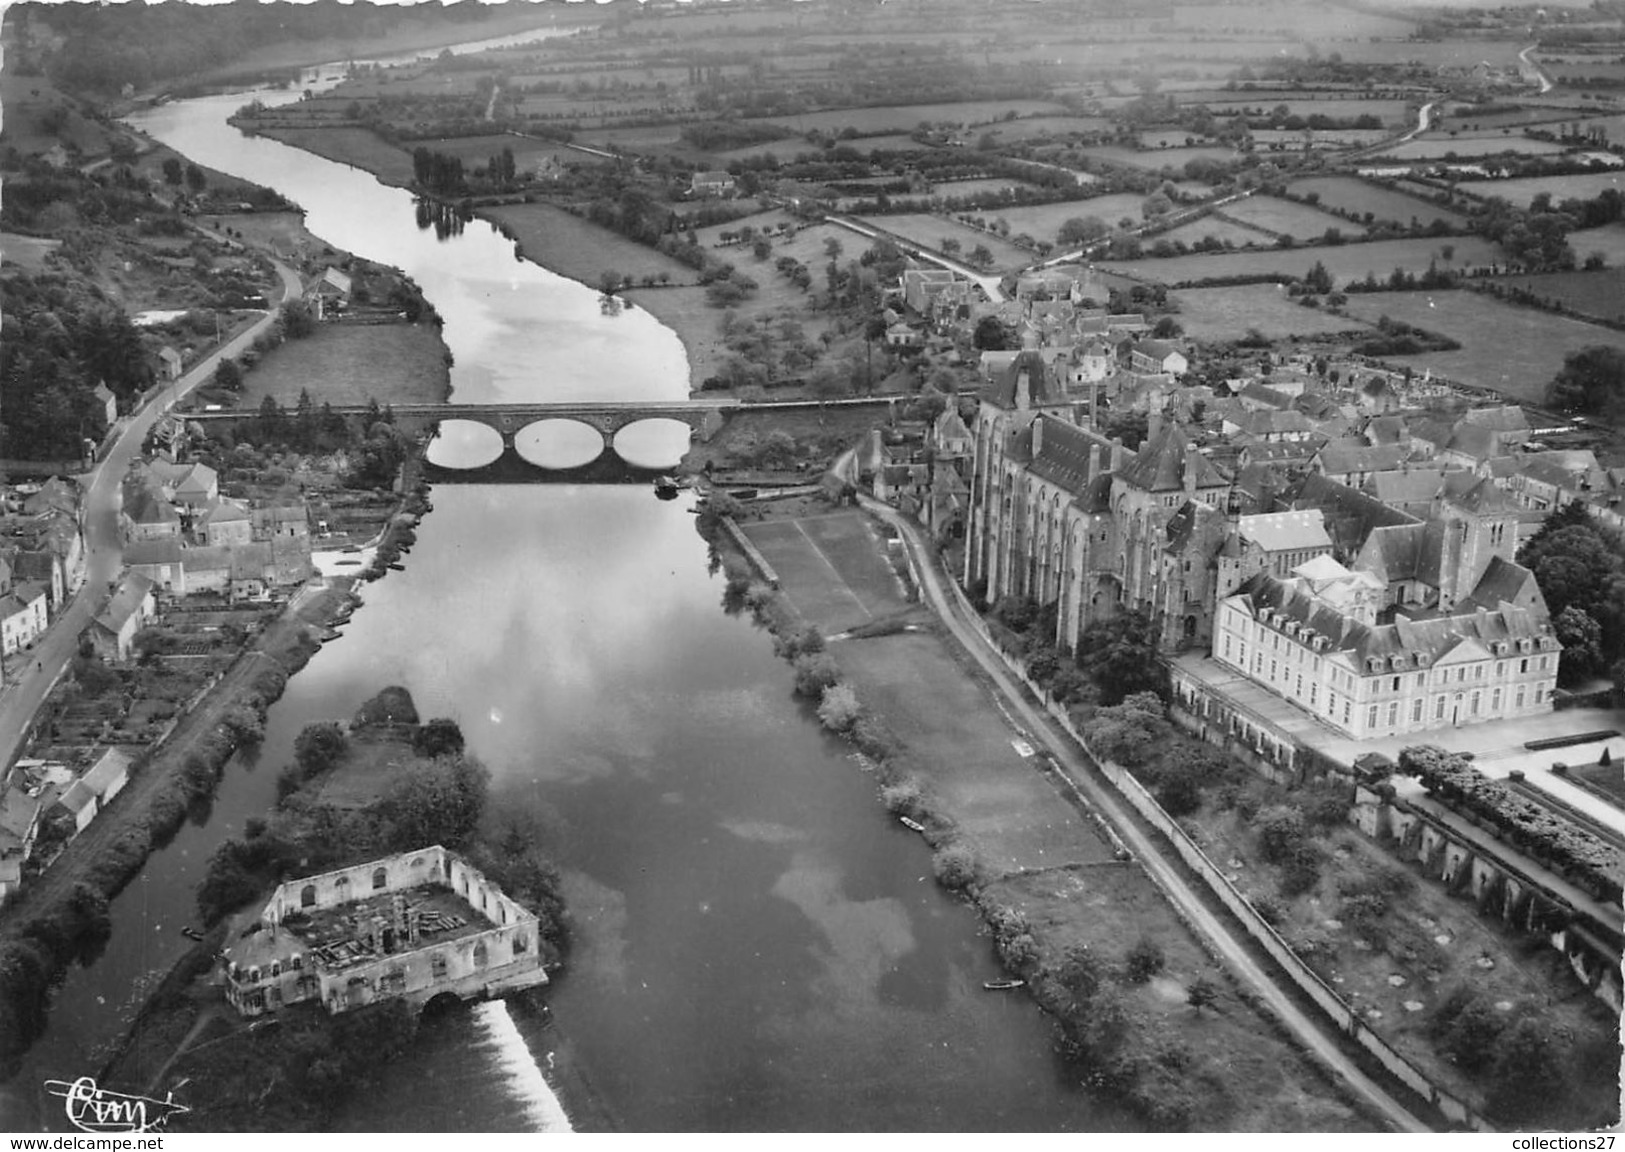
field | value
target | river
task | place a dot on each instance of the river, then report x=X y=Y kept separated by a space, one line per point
x=758 y=946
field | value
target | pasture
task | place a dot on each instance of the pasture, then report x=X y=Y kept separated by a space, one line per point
x=1298 y=221
x=1043 y=221
x=1221 y=230
x=352 y=364
x=26 y=252
x=357 y=146
x=528 y=154
x=1040 y=127
x=1345 y=262
x=930 y=231
x=1514 y=350
x=1351 y=194
x=1609 y=240
x=1222 y=314
x=1519 y=191
x=1395 y=112
x=974 y=187
x=1284 y=140
x=1489 y=144
x=1599 y=294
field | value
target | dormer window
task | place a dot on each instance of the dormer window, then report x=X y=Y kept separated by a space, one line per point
x=1423 y=660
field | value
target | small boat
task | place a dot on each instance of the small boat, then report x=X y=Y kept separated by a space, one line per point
x=1003 y=985
x=666 y=488
x=191 y=933
x=911 y=823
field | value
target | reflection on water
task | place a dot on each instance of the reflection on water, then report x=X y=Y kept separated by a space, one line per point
x=559 y=443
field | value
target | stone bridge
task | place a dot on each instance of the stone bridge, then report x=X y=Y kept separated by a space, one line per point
x=705 y=417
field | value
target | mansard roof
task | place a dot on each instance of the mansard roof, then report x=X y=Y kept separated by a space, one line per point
x=1159 y=466
x=1398 y=644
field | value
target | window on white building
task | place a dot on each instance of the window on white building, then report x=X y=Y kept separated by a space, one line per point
x=1543 y=660
x=1523 y=665
x=1495 y=700
x=1346 y=707
x=1393 y=714
x=1473 y=707
x=1519 y=700
x=1371 y=717
x=1438 y=709
x=1500 y=668
x=1540 y=694
x=1314 y=690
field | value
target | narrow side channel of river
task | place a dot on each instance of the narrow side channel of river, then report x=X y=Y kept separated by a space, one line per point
x=758 y=946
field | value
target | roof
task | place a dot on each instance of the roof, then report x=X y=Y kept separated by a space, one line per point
x=1160 y=465
x=1197 y=526
x=18 y=812
x=1407 y=485
x=144 y=506
x=1286 y=531
x=111 y=767
x=132 y=590
x=1506 y=418
x=1351 y=515
x=950 y=426
x=336 y=278
x=1063 y=453
x=1407 y=552
x=1158 y=350
x=78 y=797
x=1386 y=429
x=226 y=512
x=165 y=551
x=1041 y=389
x=1268 y=421
x=1342 y=457
x=1504 y=582
x=713 y=177
x=1264 y=394
x=1397 y=644
x=1473 y=493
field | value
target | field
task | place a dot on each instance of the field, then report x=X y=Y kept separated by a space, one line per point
x=1514 y=350
x=1036 y=127
x=1221 y=230
x=654 y=137
x=351 y=364
x=581 y=250
x=1521 y=190
x=1157 y=159
x=27 y=252
x=355 y=146
x=907 y=117
x=1394 y=112
x=1344 y=261
x=1227 y=313
x=1446 y=147
x=1600 y=294
x=974 y=187
x=1283 y=140
x=931 y=230
x=528 y=153
x=1299 y=221
x=1609 y=240
x=1354 y=195
x=1043 y=221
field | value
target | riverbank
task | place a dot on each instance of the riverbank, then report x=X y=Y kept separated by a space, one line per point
x=1067 y=914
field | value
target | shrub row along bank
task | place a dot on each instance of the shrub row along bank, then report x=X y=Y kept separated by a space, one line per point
x=1109 y=1029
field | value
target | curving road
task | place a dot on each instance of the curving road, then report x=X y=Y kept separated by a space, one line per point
x=1077 y=768
x=104 y=549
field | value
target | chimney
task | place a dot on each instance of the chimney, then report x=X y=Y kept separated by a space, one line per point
x=1094 y=461
x=1118 y=454
x=1038 y=435
x=1153 y=426
x=1193 y=462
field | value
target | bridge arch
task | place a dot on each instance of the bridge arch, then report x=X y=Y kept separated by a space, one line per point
x=558 y=444
x=462 y=445
x=653 y=442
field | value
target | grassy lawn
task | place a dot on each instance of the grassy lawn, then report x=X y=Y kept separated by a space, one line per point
x=930 y=231
x=1156 y=159
x=1604 y=778
x=1299 y=221
x=1344 y=261
x=351 y=364
x=1221 y=230
x=579 y=249
x=1513 y=350
x=1227 y=313
x=355 y=146
x=1349 y=194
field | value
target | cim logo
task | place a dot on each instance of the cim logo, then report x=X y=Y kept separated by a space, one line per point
x=93 y=1109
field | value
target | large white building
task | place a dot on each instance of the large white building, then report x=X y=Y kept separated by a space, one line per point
x=1313 y=639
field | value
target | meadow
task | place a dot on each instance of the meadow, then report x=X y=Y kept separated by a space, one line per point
x=1043 y=221
x=1514 y=350
x=1345 y=262
x=26 y=252
x=1351 y=194
x=907 y=117
x=1609 y=241
x=1221 y=230
x=1156 y=159
x=1489 y=144
x=1299 y=221
x=1223 y=314
x=352 y=364
x=1395 y=112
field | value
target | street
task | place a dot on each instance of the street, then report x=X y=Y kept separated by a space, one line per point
x=101 y=498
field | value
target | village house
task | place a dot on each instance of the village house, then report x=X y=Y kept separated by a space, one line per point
x=108 y=402
x=170 y=363
x=329 y=292
x=712 y=183
x=1158 y=356
x=23 y=615
x=19 y=828
x=412 y=927
x=112 y=632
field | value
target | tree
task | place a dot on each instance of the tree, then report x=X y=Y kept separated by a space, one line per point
x=1126 y=733
x=298 y=321
x=980 y=256
x=1201 y=993
x=1120 y=654
x=228 y=374
x=1581 y=637
x=1528 y=1074
x=196 y=181
x=1166 y=328
x=1280 y=831
x=1144 y=960
x=319 y=747
x=439 y=737
x=1591 y=380
x=173 y=172
x=1082 y=230
x=990 y=335
x=1318 y=280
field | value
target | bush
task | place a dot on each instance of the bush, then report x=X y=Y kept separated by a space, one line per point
x=905 y=797
x=1326 y=803
x=1280 y=832
x=839 y=709
x=815 y=672
x=808 y=640
x=1144 y=960
x=1302 y=872
x=319 y=747
x=954 y=866
x=1269 y=909
x=1019 y=953
x=1467 y=1028
x=439 y=737
x=393 y=705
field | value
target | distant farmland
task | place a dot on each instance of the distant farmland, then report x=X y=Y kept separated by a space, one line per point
x=1299 y=221
x=1350 y=194
x=1521 y=190
x=1600 y=294
x=1227 y=314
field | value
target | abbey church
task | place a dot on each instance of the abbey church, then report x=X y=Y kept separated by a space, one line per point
x=1064 y=515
